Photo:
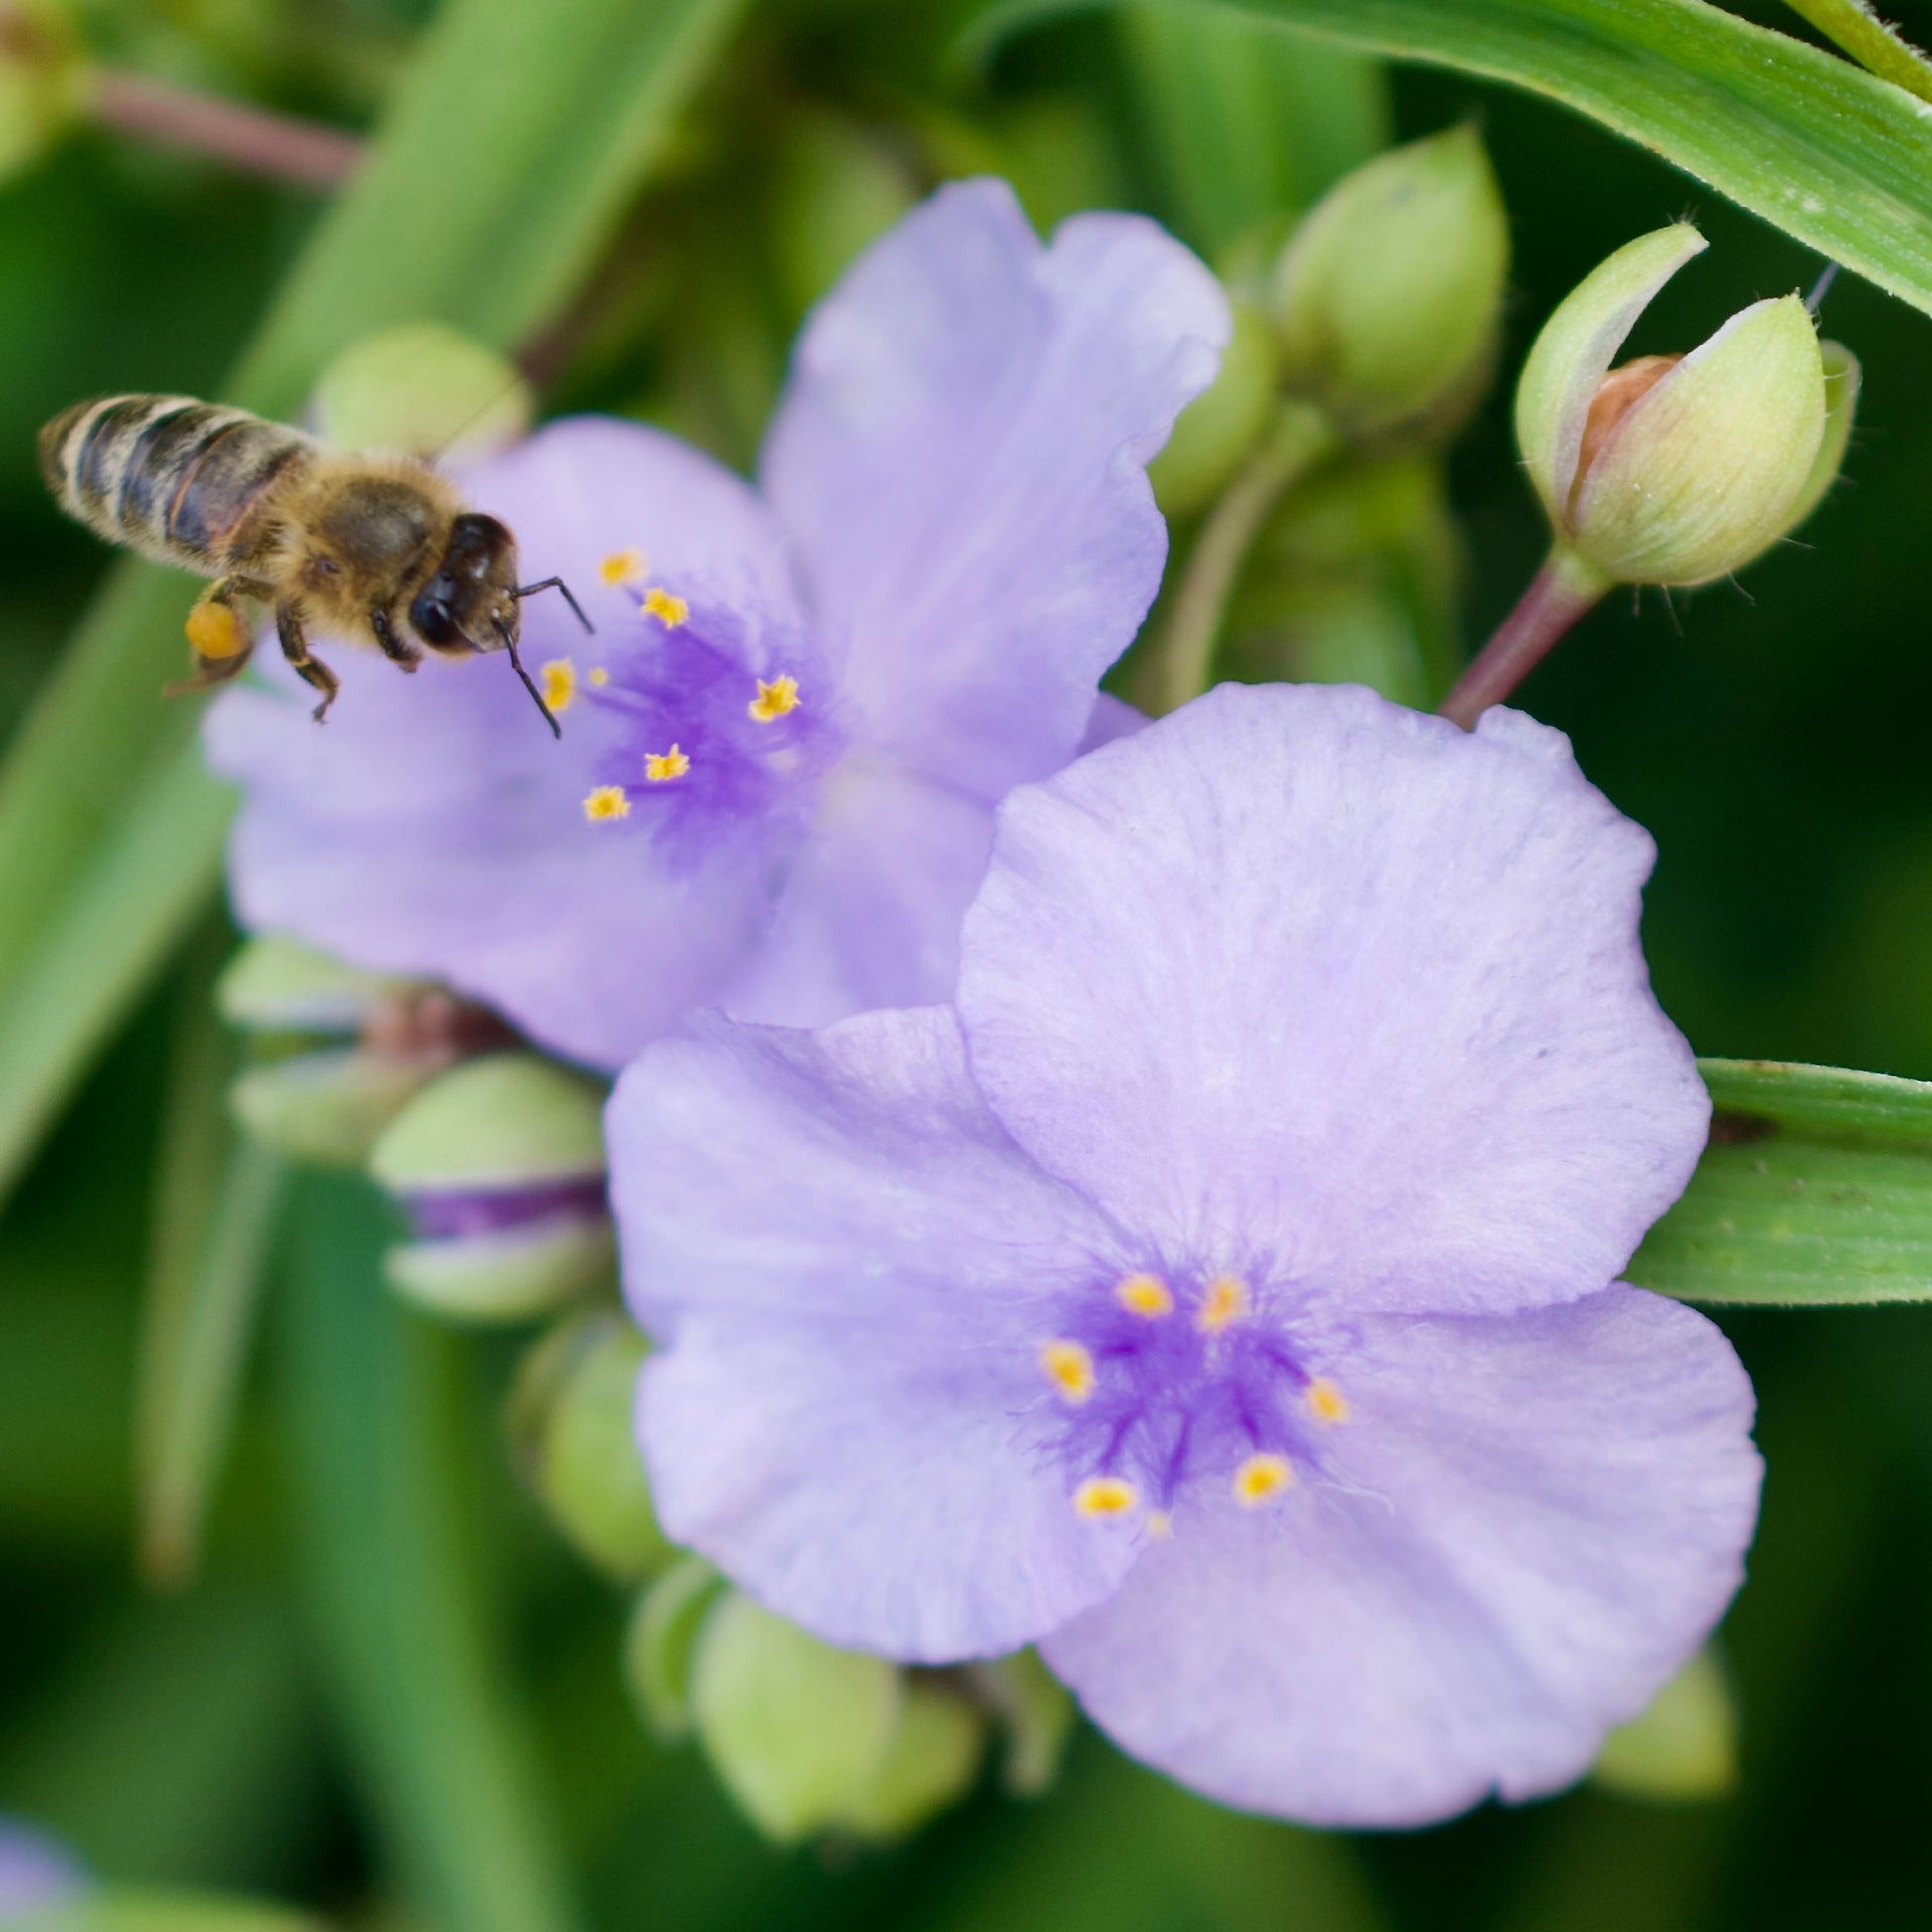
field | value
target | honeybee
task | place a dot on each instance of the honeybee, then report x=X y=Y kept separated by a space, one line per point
x=377 y=549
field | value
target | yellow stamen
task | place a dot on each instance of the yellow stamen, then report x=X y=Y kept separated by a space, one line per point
x=623 y=567
x=559 y=684
x=1069 y=1368
x=214 y=630
x=1105 y=1496
x=1224 y=1303
x=775 y=699
x=1159 y=1524
x=1143 y=1294
x=660 y=767
x=599 y=676
x=607 y=802
x=1327 y=1403
x=666 y=605
x=1260 y=1477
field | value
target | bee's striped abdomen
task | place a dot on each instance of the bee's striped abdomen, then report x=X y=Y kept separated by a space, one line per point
x=170 y=477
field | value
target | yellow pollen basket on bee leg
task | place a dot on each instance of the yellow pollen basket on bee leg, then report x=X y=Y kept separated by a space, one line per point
x=559 y=684
x=775 y=700
x=1147 y=1296
x=1260 y=1480
x=216 y=629
x=1068 y=1367
x=660 y=767
x=1222 y=1305
x=1105 y=1496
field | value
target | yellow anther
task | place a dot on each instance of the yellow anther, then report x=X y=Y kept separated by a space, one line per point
x=1105 y=1496
x=1327 y=1403
x=660 y=767
x=1260 y=1477
x=666 y=605
x=623 y=567
x=1143 y=1294
x=607 y=802
x=1159 y=1524
x=215 y=631
x=1223 y=1304
x=599 y=676
x=559 y=684
x=1069 y=1368
x=775 y=699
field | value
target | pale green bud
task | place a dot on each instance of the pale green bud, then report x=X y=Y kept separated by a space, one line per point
x=1676 y=469
x=338 y=1052
x=570 y=1419
x=1388 y=294
x=1036 y=1713
x=1684 y=1746
x=42 y=81
x=1219 y=427
x=798 y=1733
x=662 y=1641
x=932 y=1762
x=423 y=387
x=499 y=1164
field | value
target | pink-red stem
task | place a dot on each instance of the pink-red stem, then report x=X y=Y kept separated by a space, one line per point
x=274 y=145
x=1561 y=592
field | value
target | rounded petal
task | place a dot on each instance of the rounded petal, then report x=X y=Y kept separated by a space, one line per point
x=841 y=1249
x=960 y=458
x=433 y=825
x=1526 y=1525
x=1302 y=980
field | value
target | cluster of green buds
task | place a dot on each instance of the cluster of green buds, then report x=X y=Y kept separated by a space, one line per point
x=1361 y=342
x=1670 y=470
x=814 y=1742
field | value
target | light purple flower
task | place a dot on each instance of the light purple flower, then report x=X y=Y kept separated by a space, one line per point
x=1222 y=1297
x=36 y=1870
x=804 y=702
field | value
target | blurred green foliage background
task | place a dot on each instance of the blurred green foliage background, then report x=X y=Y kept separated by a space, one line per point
x=1771 y=736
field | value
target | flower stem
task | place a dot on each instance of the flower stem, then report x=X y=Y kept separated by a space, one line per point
x=1879 y=48
x=275 y=145
x=1561 y=592
x=1184 y=658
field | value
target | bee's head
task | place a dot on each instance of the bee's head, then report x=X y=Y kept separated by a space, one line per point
x=470 y=603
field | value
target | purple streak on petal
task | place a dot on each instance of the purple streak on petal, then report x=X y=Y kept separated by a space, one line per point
x=432 y=826
x=456 y=1213
x=852 y=1267
x=960 y=457
x=1299 y=971
x=1526 y=1525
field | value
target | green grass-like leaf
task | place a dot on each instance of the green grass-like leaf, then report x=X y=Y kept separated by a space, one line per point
x=1815 y=1189
x=1819 y=148
x=501 y=171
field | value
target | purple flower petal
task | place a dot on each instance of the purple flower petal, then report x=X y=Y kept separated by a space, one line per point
x=1298 y=972
x=960 y=457
x=1525 y=1525
x=37 y=1871
x=851 y=1263
x=433 y=826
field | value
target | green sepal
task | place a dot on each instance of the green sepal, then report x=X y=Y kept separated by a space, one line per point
x=662 y=1642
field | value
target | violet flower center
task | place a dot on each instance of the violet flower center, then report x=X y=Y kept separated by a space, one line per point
x=1163 y=1379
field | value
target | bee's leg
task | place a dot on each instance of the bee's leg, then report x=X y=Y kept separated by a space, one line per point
x=211 y=671
x=398 y=650
x=295 y=647
x=223 y=641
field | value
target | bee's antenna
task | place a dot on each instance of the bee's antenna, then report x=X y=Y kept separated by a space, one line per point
x=558 y=584
x=536 y=696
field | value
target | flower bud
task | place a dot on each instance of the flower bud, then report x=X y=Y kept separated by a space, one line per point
x=798 y=1733
x=499 y=1165
x=570 y=1420
x=1388 y=294
x=336 y=1052
x=43 y=81
x=1219 y=427
x=932 y=1762
x=1683 y=1748
x=1674 y=470
x=424 y=387
x=1036 y=1712
x=662 y=1642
